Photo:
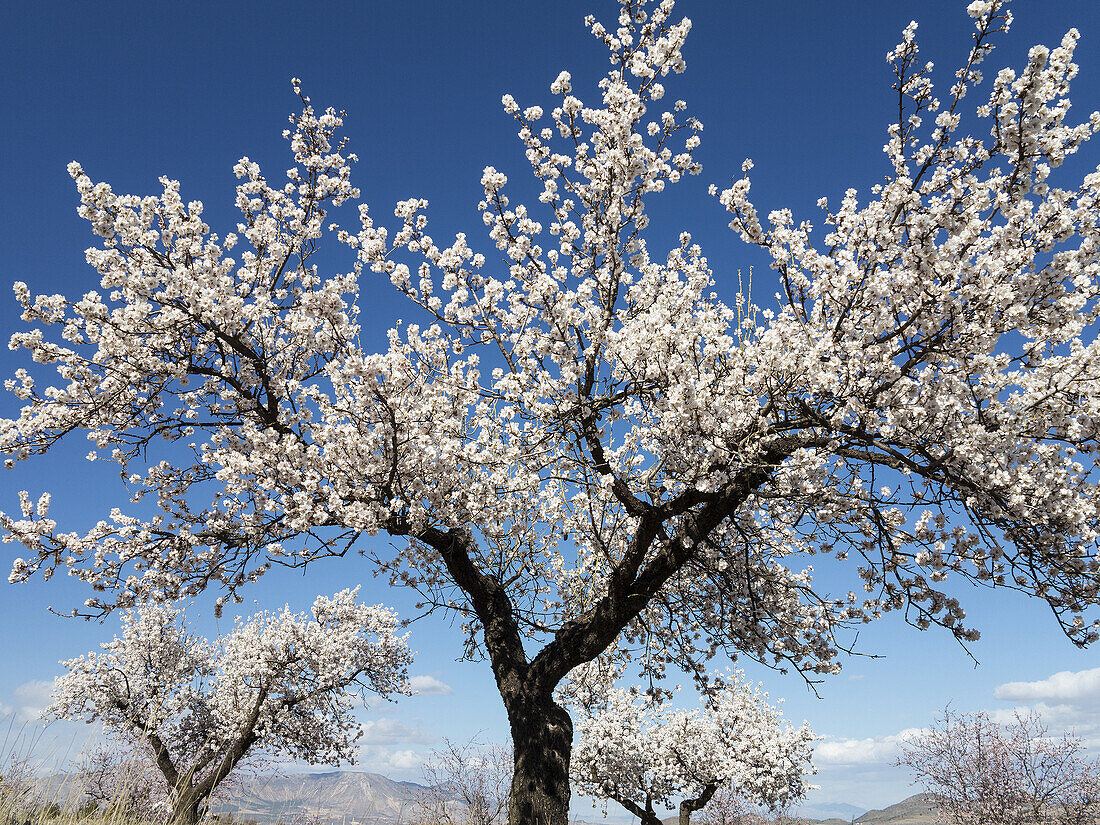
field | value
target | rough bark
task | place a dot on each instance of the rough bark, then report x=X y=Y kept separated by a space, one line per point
x=189 y=797
x=185 y=801
x=185 y=809
x=542 y=732
x=542 y=739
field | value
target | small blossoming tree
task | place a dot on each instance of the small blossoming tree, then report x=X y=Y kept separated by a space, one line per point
x=120 y=779
x=641 y=752
x=582 y=447
x=984 y=773
x=279 y=684
x=466 y=784
x=726 y=807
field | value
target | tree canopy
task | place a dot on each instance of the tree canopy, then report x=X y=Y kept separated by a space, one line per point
x=584 y=446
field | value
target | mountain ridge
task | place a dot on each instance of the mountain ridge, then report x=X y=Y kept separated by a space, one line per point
x=919 y=809
x=363 y=798
x=349 y=797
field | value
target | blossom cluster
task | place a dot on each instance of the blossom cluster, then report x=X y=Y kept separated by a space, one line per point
x=942 y=336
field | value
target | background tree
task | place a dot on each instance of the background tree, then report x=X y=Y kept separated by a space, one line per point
x=120 y=779
x=467 y=784
x=727 y=807
x=1014 y=774
x=279 y=684
x=644 y=754
x=583 y=445
x=17 y=788
x=122 y=782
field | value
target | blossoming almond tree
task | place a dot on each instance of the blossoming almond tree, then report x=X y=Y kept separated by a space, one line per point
x=467 y=784
x=641 y=752
x=726 y=807
x=121 y=779
x=583 y=446
x=999 y=774
x=280 y=684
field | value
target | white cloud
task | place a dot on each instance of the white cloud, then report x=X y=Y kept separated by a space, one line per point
x=386 y=731
x=878 y=750
x=33 y=697
x=404 y=760
x=1055 y=716
x=29 y=700
x=1081 y=722
x=1066 y=687
x=861 y=770
x=1067 y=701
x=429 y=685
x=392 y=763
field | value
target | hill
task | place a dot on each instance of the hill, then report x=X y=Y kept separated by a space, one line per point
x=832 y=810
x=916 y=810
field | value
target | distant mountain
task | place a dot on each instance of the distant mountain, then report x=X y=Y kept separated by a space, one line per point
x=358 y=798
x=916 y=810
x=345 y=797
x=831 y=810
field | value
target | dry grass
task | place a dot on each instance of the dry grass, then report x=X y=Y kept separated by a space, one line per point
x=29 y=796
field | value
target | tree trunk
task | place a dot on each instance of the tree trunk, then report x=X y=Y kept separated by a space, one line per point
x=646 y=815
x=542 y=738
x=186 y=813
x=186 y=807
x=690 y=806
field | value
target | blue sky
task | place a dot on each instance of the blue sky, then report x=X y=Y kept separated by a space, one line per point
x=136 y=90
